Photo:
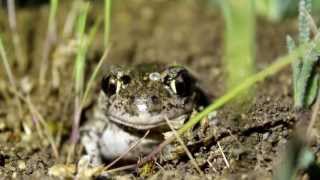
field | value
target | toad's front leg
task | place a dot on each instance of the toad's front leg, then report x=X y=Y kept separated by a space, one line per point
x=90 y=137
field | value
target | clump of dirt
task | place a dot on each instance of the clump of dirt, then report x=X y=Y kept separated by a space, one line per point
x=236 y=144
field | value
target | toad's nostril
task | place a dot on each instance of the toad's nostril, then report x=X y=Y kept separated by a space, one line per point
x=141 y=104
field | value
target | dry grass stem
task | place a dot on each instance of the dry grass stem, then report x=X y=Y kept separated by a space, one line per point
x=10 y=75
x=159 y=165
x=314 y=116
x=48 y=43
x=212 y=167
x=70 y=19
x=132 y=166
x=37 y=117
x=43 y=123
x=94 y=74
x=193 y=161
x=15 y=35
x=125 y=153
x=223 y=155
x=75 y=129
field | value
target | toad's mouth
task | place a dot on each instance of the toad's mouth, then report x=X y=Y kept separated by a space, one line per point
x=144 y=122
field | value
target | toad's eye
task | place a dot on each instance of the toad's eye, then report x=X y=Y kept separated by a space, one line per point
x=182 y=84
x=125 y=79
x=109 y=85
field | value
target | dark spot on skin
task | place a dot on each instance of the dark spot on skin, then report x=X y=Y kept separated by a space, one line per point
x=2 y=160
x=155 y=99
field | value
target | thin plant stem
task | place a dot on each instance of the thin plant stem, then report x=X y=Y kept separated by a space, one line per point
x=79 y=70
x=10 y=75
x=49 y=41
x=131 y=166
x=127 y=151
x=80 y=59
x=193 y=161
x=39 y=118
x=223 y=155
x=94 y=75
x=6 y=65
x=314 y=116
x=15 y=35
x=70 y=20
x=107 y=21
x=84 y=43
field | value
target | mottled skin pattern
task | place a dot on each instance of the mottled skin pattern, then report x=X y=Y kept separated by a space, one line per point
x=134 y=100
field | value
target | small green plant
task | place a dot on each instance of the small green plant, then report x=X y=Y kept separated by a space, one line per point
x=305 y=78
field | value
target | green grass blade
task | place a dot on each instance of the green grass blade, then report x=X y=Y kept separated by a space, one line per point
x=107 y=21
x=82 y=49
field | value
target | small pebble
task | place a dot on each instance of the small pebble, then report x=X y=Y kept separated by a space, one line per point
x=21 y=165
x=2 y=125
x=14 y=175
x=265 y=136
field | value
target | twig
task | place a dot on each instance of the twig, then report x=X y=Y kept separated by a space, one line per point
x=193 y=161
x=223 y=155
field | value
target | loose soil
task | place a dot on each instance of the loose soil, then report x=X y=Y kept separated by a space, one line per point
x=184 y=32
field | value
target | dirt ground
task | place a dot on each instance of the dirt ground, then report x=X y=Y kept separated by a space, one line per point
x=184 y=32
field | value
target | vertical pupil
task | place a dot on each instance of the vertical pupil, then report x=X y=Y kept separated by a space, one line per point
x=108 y=85
x=125 y=79
x=183 y=84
